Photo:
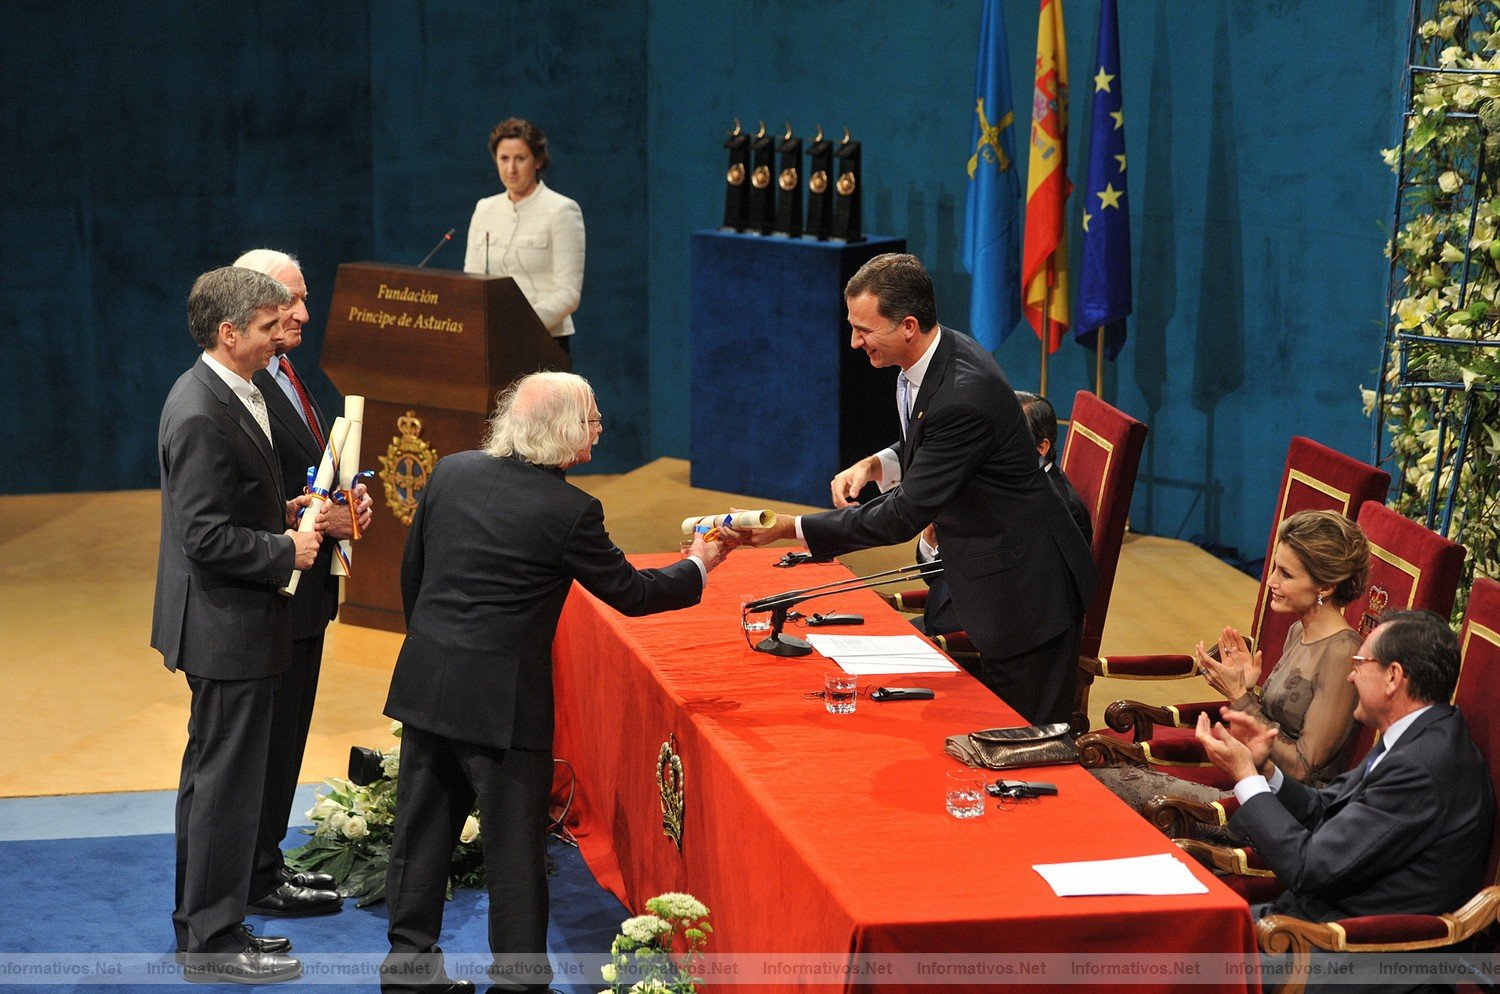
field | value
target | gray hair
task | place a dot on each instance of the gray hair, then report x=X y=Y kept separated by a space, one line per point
x=268 y=261
x=232 y=294
x=542 y=418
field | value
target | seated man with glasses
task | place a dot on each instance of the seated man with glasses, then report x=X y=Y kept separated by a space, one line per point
x=1405 y=832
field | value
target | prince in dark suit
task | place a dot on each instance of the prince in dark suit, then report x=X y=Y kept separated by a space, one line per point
x=299 y=430
x=225 y=550
x=497 y=541
x=1406 y=832
x=938 y=614
x=1017 y=565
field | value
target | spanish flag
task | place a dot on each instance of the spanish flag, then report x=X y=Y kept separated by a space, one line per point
x=1044 y=254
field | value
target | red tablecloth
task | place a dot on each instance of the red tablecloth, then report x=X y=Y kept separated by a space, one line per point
x=807 y=832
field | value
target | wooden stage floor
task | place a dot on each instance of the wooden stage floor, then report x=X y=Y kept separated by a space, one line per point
x=91 y=709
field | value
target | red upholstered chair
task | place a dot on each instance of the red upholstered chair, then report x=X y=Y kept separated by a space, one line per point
x=1478 y=688
x=1315 y=478
x=1102 y=454
x=1411 y=568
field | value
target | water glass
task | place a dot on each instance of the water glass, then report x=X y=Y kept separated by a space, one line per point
x=965 y=797
x=840 y=692
x=757 y=623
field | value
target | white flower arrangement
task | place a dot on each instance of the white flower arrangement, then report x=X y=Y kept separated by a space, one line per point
x=352 y=828
x=1445 y=253
x=658 y=952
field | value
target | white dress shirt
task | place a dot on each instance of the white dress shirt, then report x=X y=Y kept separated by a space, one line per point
x=539 y=243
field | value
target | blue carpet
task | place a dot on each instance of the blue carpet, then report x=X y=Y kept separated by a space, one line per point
x=85 y=903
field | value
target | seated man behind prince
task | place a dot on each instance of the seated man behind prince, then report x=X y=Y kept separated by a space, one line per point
x=938 y=614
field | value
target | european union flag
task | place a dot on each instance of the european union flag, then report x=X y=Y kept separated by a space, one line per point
x=992 y=217
x=1104 y=283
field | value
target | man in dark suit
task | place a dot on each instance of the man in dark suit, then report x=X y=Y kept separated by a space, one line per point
x=938 y=614
x=1407 y=831
x=300 y=432
x=1018 y=567
x=225 y=551
x=498 y=539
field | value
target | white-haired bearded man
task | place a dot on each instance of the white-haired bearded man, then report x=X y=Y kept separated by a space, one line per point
x=498 y=538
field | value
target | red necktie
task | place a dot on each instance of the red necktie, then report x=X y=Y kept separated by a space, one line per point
x=304 y=400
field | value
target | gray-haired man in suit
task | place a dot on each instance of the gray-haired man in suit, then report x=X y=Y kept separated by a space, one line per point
x=1405 y=832
x=226 y=548
x=300 y=431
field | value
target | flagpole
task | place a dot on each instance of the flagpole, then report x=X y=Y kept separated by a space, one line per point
x=1046 y=327
x=1099 y=363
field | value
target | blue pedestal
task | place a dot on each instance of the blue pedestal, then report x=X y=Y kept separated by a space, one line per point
x=780 y=401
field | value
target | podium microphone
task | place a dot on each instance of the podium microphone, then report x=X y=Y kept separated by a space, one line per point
x=447 y=237
x=777 y=644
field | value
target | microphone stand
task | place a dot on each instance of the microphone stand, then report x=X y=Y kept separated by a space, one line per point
x=779 y=644
x=447 y=237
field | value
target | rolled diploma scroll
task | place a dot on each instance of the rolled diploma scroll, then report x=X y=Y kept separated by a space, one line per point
x=737 y=520
x=354 y=413
x=326 y=477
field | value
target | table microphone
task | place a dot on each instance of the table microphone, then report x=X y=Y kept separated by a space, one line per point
x=777 y=644
x=447 y=237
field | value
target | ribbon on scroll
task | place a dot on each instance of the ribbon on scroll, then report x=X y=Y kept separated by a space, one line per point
x=738 y=520
x=323 y=482
x=348 y=470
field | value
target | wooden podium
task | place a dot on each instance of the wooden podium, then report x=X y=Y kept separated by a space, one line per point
x=428 y=349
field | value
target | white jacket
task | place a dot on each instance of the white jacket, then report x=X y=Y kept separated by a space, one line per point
x=539 y=244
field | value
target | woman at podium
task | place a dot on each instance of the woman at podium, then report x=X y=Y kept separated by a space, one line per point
x=530 y=233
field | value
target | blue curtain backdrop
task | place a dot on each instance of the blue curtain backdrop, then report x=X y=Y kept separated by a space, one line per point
x=151 y=142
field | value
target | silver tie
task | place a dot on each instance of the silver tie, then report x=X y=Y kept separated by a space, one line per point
x=258 y=408
x=903 y=403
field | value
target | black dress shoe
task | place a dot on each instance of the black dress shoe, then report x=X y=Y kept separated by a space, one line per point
x=254 y=943
x=311 y=879
x=291 y=901
x=248 y=967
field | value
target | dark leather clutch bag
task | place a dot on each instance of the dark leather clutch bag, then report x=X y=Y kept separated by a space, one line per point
x=1012 y=748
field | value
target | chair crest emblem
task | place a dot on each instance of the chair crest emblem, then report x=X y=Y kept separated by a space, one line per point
x=1379 y=598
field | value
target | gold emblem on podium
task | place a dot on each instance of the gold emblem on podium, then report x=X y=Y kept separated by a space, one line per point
x=846 y=184
x=761 y=178
x=406 y=467
x=736 y=174
x=788 y=179
x=671 y=784
x=818 y=182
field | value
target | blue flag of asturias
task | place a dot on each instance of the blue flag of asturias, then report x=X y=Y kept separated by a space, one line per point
x=1104 y=277
x=992 y=218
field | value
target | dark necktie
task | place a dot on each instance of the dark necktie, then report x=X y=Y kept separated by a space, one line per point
x=302 y=398
x=1375 y=753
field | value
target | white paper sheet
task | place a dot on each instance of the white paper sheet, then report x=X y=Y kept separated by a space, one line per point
x=870 y=655
x=1162 y=873
x=870 y=645
x=878 y=665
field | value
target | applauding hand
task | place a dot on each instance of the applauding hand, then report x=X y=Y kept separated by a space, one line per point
x=1236 y=670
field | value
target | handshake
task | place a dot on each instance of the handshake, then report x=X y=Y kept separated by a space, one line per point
x=712 y=536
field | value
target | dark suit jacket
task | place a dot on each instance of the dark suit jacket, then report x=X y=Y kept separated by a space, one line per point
x=938 y=614
x=1076 y=507
x=1018 y=568
x=223 y=555
x=317 y=598
x=1412 y=838
x=493 y=551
